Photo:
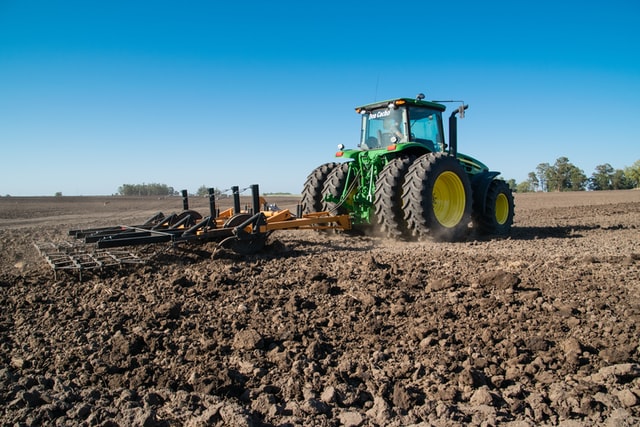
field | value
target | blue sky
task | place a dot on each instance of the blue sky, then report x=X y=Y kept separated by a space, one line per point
x=98 y=94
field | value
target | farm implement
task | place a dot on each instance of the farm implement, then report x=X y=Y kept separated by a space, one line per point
x=243 y=231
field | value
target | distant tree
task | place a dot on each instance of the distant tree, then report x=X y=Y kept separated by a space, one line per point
x=512 y=184
x=543 y=175
x=633 y=174
x=577 y=179
x=523 y=187
x=601 y=178
x=562 y=176
x=531 y=184
x=203 y=191
x=532 y=181
x=619 y=181
x=58 y=194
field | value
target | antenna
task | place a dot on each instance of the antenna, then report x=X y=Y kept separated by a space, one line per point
x=375 y=96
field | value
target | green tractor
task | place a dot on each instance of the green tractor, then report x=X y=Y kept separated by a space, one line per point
x=406 y=181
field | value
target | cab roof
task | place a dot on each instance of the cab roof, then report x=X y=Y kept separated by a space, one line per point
x=401 y=101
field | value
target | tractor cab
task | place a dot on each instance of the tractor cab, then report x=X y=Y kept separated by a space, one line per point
x=402 y=121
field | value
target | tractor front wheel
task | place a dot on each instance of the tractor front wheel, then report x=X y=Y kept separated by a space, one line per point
x=437 y=198
x=497 y=217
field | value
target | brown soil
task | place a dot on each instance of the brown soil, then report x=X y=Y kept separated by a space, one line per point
x=328 y=329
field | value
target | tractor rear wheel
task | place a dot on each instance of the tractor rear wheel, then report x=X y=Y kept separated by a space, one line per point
x=437 y=198
x=334 y=186
x=388 y=197
x=312 y=190
x=497 y=217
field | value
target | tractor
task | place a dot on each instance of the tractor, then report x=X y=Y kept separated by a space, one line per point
x=405 y=181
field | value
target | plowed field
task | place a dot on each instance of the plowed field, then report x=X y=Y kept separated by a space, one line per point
x=327 y=329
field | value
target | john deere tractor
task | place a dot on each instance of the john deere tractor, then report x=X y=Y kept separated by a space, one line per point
x=406 y=181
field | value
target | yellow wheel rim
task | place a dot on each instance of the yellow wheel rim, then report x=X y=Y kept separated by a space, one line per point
x=502 y=208
x=449 y=199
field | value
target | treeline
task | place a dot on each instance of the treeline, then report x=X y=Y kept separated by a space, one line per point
x=565 y=176
x=155 y=189
x=146 y=190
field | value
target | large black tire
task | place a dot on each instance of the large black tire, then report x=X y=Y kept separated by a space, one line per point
x=437 y=198
x=312 y=191
x=334 y=186
x=497 y=217
x=388 y=198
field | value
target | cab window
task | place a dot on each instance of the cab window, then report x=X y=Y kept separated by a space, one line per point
x=383 y=127
x=426 y=127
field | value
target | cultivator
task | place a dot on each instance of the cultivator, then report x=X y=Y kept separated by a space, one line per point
x=244 y=231
x=72 y=257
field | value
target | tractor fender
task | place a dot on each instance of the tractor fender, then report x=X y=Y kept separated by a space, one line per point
x=479 y=186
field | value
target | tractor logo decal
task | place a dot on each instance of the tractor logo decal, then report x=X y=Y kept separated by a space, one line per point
x=380 y=114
